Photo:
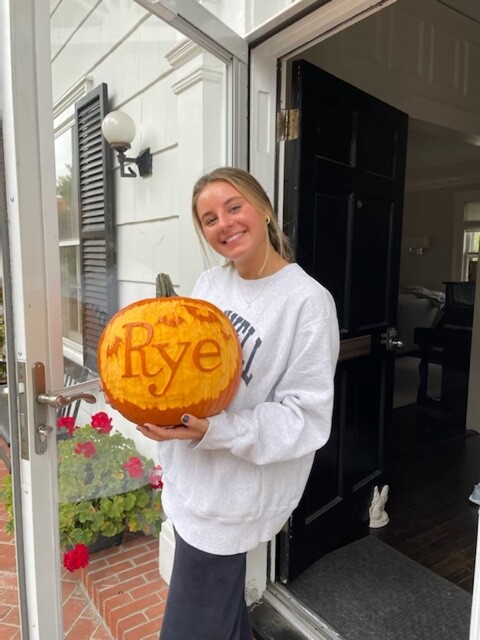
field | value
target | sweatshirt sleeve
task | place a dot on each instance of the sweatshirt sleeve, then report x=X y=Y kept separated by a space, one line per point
x=296 y=420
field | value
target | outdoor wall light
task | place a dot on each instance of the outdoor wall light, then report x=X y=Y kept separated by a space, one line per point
x=119 y=130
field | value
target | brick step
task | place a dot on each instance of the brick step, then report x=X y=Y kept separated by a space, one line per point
x=124 y=585
x=119 y=596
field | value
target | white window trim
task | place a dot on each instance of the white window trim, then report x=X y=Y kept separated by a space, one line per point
x=76 y=91
x=460 y=199
x=64 y=119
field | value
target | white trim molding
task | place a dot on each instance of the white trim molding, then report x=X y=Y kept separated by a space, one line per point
x=76 y=91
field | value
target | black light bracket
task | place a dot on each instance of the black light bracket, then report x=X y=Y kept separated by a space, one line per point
x=143 y=162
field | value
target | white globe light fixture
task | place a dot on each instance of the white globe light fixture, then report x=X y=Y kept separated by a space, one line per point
x=118 y=129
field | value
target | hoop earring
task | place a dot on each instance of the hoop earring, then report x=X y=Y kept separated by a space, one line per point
x=267 y=220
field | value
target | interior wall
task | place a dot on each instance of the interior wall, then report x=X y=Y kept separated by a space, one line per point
x=428 y=213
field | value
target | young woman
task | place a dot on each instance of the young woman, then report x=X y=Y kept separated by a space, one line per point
x=231 y=481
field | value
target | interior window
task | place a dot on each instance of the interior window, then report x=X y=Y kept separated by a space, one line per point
x=471 y=240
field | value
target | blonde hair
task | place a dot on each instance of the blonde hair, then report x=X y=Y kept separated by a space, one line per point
x=254 y=193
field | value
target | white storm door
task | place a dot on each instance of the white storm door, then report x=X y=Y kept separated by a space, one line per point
x=34 y=311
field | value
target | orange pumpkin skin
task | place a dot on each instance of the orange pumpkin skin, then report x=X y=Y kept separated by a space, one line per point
x=162 y=357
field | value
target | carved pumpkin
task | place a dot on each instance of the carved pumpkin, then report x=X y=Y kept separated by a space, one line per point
x=162 y=357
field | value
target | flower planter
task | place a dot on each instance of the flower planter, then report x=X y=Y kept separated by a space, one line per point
x=105 y=542
x=104 y=484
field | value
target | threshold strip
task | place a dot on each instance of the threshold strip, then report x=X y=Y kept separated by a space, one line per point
x=298 y=615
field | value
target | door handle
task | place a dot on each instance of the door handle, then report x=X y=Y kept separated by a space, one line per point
x=59 y=400
x=55 y=399
x=389 y=340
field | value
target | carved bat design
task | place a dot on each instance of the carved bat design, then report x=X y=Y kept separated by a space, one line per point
x=170 y=320
x=112 y=350
x=208 y=316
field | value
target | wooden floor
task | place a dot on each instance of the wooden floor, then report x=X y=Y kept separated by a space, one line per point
x=434 y=468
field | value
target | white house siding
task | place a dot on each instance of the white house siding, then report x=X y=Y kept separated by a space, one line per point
x=174 y=91
x=97 y=35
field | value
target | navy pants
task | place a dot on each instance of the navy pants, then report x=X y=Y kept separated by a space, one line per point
x=206 y=597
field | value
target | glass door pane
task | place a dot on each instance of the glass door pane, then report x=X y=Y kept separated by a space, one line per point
x=115 y=235
x=177 y=94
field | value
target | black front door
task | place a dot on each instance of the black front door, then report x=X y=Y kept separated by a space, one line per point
x=344 y=181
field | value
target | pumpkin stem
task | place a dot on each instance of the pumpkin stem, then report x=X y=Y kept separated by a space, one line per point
x=164 y=286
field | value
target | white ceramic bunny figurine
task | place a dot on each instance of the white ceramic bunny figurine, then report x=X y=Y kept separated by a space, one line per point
x=378 y=515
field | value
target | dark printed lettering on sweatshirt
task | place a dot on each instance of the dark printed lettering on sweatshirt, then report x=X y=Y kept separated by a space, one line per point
x=246 y=332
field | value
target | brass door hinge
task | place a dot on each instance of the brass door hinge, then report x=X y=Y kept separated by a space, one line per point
x=287 y=124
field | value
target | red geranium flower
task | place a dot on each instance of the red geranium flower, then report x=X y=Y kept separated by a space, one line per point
x=134 y=467
x=76 y=558
x=156 y=477
x=68 y=422
x=101 y=422
x=87 y=448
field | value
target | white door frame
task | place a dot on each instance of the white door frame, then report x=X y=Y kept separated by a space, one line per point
x=33 y=246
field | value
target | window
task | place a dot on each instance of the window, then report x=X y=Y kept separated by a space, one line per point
x=69 y=241
x=471 y=240
x=85 y=226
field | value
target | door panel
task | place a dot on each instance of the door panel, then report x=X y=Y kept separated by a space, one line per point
x=372 y=250
x=363 y=418
x=343 y=210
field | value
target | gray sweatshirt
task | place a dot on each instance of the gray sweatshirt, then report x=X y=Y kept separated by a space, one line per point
x=238 y=486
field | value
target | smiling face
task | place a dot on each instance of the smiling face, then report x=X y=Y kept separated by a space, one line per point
x=233 y=227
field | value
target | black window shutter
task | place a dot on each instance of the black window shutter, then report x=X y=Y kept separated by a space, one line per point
x=97 y=243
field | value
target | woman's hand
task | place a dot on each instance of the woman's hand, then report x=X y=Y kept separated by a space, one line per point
x=192 y=428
